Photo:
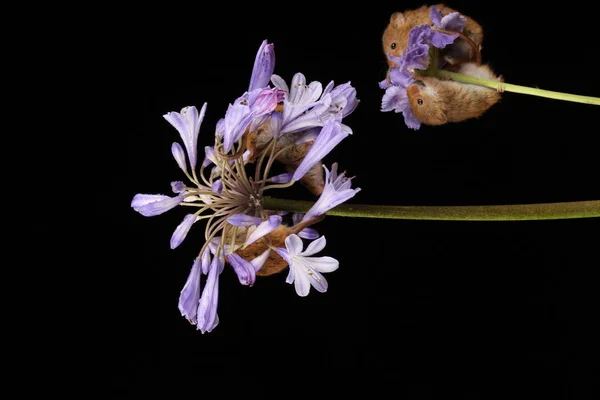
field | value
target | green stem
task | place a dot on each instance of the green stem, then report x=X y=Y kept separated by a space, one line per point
x=515 y=88
x=517 y=212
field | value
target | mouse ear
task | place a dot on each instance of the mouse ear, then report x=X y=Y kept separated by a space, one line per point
x=397 y=19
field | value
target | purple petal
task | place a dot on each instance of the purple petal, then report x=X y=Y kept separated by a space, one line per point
x=182 y=230
x=395 y=98
x=334 y=193
x=416 y=56
x=243 y=220
x=209 y=157
x=264 y=64
x=264 y=228
x=237 y=119
x=259 y=261
x=206 y=261
x=349 y=93
x=293 y=244
x=178 y=187
x=331 y=135
x=187 y=122
x=436 y=16
x=275 y=123
x=264 y=101
x=244 y=270
x=308 y=233
x=297 y=217
x=285 y=254
x=282 y=178
x=190 y=294
x=207 y=306
x=151 y=205
x=217 y=187
x=178 y=155
x=441 y=40
x=410 y=119
x=279 y=83
x=401 y=77
x=384 y=84
x=315 y=246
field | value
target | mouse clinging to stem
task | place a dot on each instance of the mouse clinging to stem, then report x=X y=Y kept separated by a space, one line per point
x=396 y=34
x=437 y=102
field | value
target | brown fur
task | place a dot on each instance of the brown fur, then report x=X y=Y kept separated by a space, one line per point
x=401 y=23
x=275 y=263
x=447 y=101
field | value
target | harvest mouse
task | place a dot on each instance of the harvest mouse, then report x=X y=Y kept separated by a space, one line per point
x=395 y=36
x=436 y=102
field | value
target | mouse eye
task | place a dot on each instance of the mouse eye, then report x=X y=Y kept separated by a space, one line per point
x=393 y=46
x=420 y=101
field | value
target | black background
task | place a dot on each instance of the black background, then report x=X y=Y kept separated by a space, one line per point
x=417 y=309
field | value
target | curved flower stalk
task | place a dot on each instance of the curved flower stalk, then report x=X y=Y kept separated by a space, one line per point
x=226 y=191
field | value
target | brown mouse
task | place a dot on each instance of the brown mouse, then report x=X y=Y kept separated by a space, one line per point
x=395 y=36
x=436 y=102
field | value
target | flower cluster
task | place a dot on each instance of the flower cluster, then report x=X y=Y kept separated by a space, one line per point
x=416 y=56
x=292 y=127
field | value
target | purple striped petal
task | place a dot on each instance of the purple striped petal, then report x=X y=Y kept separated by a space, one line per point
x=264 y=101
x=331 y=135
x=243 y=220
x=187 y=122
x=178 y=155
x=206 y=261
x=264 y=228
x=264 y=64
x=217 y=186
x=259 y=261
x=207 y=306
x=308 y=233
x=237 y=119
x=275 y=123
x=190 y=294
x=209 y=156
x=150 y=205
x=182 y=230
x=336 y=191
x=245 y=271
x=282 y=178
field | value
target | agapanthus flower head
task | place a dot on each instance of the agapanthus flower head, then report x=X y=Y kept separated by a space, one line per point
x=294 y=126
x=421 y=40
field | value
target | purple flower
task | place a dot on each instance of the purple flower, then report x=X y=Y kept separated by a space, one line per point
x=246 y=271
x=304 y=269
x=243 y=220
x=182 y=230
x=395 y=98
x=178 y=187
x=306 y=233
x=331 y=135
x=190 y=294
x=178 y=155
x=237 y=118
x=208 y=318
x=150 y=205
x=217 y=186
x=452 y=22
x=264 y=101
x=264 y=228
x=336 y=191
x=264 y=64
x=297 y=103
x=282 y=178
x=344 y=91
x=187 y=123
